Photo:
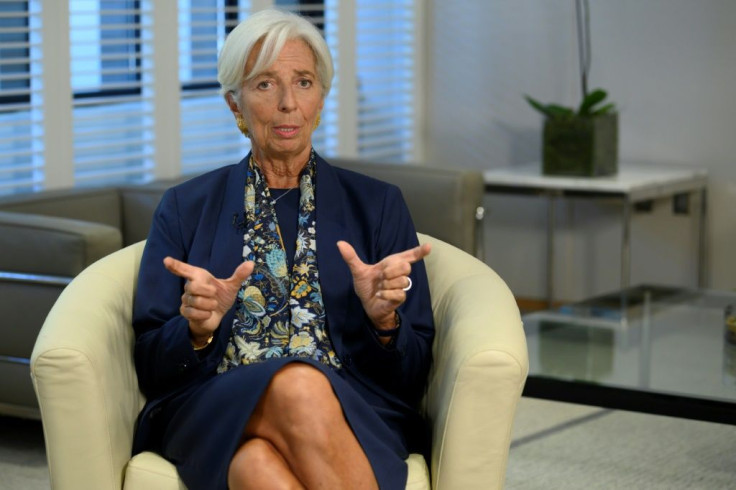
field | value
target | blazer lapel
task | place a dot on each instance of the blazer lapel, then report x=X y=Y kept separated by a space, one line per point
x=227 y=244
x=332 y=226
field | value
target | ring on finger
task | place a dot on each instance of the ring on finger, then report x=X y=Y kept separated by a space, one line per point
x=409 y=286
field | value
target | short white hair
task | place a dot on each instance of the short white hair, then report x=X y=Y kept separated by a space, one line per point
x=273 y=28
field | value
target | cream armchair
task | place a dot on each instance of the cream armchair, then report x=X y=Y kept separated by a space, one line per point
x=85 y=381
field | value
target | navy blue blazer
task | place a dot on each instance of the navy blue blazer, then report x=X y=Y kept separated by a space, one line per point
x=201 y=222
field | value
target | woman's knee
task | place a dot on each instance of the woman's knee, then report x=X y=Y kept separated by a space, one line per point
x=299 y=384
x=306 y=405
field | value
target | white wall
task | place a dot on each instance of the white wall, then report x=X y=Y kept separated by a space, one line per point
x=670 y=65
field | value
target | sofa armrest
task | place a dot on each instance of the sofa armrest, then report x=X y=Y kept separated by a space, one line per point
x=25 y=300
x=53 y=246
x=480 y=366
x=84 y=377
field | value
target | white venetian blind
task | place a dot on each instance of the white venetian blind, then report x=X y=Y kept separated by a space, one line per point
x=209 y=137
x=21 y=111
x=111 y=82
x=386 y=78
x=120 y=91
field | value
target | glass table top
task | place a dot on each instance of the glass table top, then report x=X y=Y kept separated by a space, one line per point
x=652 y=339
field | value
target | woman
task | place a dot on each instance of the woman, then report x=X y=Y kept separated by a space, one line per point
x=283 y=321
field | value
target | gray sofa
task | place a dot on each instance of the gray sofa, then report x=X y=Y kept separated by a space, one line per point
x=48 y=238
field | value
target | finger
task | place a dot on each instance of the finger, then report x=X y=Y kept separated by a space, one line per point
x=204 y=303
x=349 y=255
x=242 y=272
x=395 y=268
x=400 y=282
x=200 y=287
x=416 y=254
x=193 y=314
x=179 y=268
x=393 y=296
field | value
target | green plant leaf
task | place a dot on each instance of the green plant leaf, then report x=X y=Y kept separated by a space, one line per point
x=560 y=112
x=604 y=110
x=537 y=105
x=550 y=110
x=590 y=100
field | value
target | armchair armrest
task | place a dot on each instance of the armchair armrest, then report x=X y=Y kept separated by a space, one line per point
x=84 y=377
x=53 y=246
x=480 y=366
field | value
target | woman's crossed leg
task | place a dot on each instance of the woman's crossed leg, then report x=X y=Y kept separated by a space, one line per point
x=298 y=437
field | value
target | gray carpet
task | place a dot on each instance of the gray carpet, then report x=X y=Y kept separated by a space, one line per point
x=22 y=455
x=555 y=445
x=559 y=445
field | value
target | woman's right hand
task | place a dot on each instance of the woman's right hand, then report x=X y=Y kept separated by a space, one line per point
x=206 y=299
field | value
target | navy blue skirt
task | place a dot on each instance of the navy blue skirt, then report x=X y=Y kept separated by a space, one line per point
x=203 y=427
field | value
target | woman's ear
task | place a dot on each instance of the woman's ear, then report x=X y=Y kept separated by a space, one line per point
x=232 y=104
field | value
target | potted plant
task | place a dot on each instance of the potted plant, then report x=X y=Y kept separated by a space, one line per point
x=582 y=142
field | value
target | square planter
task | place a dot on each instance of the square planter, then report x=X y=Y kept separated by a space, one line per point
x=581 y=146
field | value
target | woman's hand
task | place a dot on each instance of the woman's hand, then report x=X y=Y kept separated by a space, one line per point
x=206 y=299
x=380 y=286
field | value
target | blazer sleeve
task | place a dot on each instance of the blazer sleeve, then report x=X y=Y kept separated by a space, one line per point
x=164 y=357
x=401 y=367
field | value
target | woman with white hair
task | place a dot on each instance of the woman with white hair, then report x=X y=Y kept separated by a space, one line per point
x=282 y=317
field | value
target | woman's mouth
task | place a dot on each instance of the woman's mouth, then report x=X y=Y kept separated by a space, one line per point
x=286 y=131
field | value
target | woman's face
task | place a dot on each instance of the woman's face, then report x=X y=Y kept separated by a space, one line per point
x=280 y=106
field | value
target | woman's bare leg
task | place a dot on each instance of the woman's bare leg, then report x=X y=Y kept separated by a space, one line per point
x=257 y=465
x=300 y=416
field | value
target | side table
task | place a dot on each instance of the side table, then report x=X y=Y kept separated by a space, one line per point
x=634 y=183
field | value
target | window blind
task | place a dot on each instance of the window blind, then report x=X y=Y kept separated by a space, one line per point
x=112 y=91
x=21 y=110
x=385 y=77
x=209 y=137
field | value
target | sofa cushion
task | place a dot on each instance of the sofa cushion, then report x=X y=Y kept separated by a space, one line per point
x=97 y=205
x=34 y=244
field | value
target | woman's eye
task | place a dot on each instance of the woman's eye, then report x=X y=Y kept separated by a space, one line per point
x=263 y=85
x=304 y=83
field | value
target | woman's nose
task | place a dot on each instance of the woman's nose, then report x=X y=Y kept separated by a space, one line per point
x=287 y=102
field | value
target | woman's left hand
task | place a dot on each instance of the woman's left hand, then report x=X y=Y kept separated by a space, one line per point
x=381 y=286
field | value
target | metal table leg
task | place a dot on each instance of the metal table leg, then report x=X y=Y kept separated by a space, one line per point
x=702 y=240
x=550 y=249
x=626 y=245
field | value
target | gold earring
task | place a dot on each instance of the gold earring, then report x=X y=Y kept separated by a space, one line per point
x=241 y=125
x=316 y=123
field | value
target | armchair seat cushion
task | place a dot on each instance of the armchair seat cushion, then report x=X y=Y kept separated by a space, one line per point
x=149 y=470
